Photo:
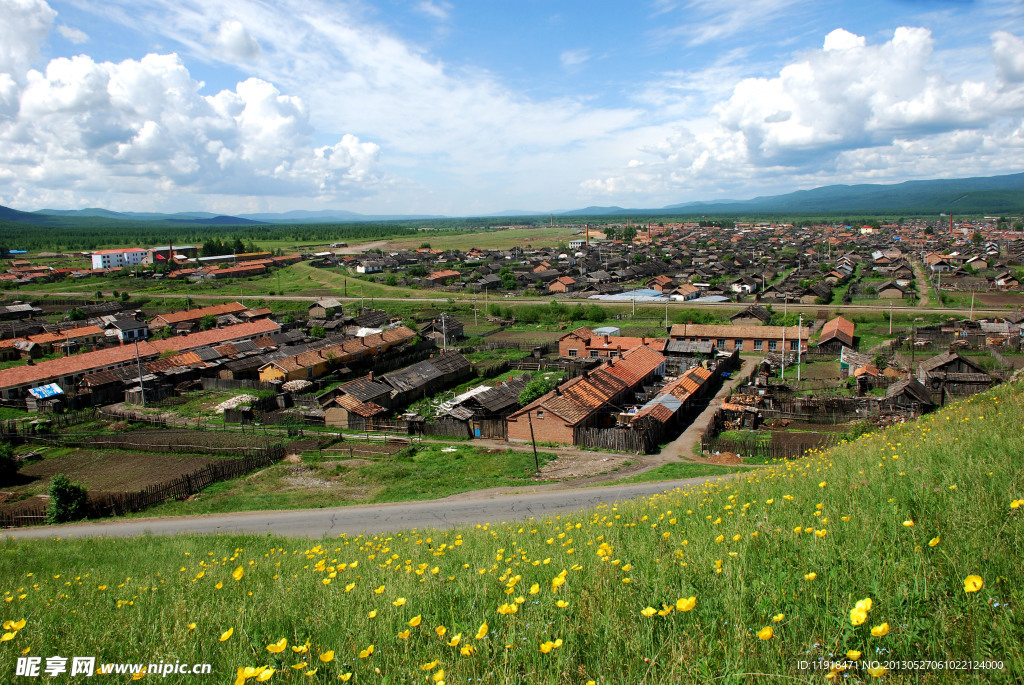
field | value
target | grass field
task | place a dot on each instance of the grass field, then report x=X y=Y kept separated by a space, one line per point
x=903 y=545
x=333 y=479
x=681 y=470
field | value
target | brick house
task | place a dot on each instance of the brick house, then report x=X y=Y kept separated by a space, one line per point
x=586 y=401
x=836 y=334
x=583 y=342
x=194 y=315
x=562 y=284
x=744 y=338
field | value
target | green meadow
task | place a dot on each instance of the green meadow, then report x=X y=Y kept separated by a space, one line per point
x=896 y=556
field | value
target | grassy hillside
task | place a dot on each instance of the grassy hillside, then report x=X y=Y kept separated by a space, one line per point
x=745 y=576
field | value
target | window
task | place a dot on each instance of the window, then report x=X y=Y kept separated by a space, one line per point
x=613 y=354
x=572 y=352
x=773 y=345
x=721 y=343
x=759 y=344
x=594 y=353
x=540 y=413
x=739 y=345
x=793 y=344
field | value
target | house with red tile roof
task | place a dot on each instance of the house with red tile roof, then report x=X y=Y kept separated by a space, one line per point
x=583 y=342
x=837 y=334
x=174 y=318
x=586 y=401
x=68 y=371
x=217 y=336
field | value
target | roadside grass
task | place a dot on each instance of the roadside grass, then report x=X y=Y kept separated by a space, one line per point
x=681 y=470
x=425 y=471
x=791 y=547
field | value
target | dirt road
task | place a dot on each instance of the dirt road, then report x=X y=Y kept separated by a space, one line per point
x=482 y=506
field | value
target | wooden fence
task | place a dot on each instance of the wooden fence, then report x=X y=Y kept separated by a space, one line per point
x=116 y=504
x=618 y=439
x=779 y=446
x=237 y=384
x=18 y=430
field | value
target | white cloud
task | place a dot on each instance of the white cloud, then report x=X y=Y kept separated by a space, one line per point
x=711 y=21
x=852 y=110
x=24 y=25
x=143 y=126
x=1008 y=52
x=439 y=11
x=233 y=43
x=574 y=58
x=76 y=36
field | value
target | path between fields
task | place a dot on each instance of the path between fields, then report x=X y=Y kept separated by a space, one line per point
x=479 y=507
x=924 y=286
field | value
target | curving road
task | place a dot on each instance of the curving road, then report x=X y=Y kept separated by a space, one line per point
x=459 y=510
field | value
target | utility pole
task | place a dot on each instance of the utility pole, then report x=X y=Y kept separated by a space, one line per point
x=444 y=333
x=782 y=374
x=138 y=362
x=972 y=304
x=536 y=461
x=799 y=344
x=890 y=317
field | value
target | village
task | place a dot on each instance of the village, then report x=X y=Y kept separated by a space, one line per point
x=802 y=341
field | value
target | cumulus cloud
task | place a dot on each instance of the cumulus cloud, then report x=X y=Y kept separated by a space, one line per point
x=76 y=36
x=142 y=126
x=25 y=24
x=847 y=106
x=233 y=43
x=1008 y=52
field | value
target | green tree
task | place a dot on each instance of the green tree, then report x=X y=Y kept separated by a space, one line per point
x=207 y=322
x=508 y=281
x=238 y=247
x=76 y=314
x=534 y=389
x=609 y=233
x=391 y=280
x=976 y=238
x=317 y=332
x=68 y=501
x=8 y=464
x=125 y=296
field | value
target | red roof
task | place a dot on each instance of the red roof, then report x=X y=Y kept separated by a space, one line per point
x=54 y=369
x=837 y=329
x=196 y=314
x=216 y=336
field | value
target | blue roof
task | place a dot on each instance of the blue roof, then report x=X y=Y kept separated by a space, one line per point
x=44 y=391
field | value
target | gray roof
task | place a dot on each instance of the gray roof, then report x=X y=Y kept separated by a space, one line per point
x=687 y=347
x=364 y=389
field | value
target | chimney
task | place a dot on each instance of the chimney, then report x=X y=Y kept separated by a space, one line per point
x=643 y=340
x=607 y=340
x=558 y=391
x=369 y=376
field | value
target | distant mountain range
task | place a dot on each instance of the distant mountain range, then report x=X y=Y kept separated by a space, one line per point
x=989 y=195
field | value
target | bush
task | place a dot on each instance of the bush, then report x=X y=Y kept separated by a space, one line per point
x=68 y=501
x=8 y=464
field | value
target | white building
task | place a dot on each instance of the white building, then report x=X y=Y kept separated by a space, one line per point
x=111 y=259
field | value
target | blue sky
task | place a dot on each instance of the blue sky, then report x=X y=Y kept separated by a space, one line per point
x=428 y=106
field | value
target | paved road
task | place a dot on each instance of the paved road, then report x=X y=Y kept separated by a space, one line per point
x=465 y=509
x=512 y=300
